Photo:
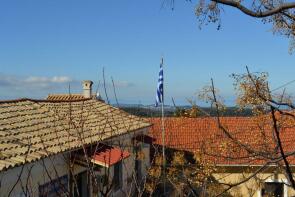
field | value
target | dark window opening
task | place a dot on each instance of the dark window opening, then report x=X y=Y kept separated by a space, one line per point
x=273 y=189
x=81 y=186
x=57 y=187
x=138 y=162
x=117 y=179
x=138 y=169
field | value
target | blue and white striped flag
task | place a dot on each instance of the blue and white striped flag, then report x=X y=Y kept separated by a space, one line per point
x=160 y=88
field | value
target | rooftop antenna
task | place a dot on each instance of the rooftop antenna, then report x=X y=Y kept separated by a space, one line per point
x=104 y=86
x=114 y=88
x=97 y=94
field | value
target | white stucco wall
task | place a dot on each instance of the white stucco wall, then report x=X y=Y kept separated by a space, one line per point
x=253 y=186
x=56 y=166
x=128 y=168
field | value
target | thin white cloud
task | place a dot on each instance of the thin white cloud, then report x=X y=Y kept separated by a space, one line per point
x=123 y=84
x=61 y=79
x=19 y=86
x=55 y=79
x=33 y=82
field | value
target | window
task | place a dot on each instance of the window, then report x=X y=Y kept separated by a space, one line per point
x=117 y=179
x=274 y=189
x=138 y=169
x=57 y=187
x=81 y=185
x=138 y=162
x=102 y=180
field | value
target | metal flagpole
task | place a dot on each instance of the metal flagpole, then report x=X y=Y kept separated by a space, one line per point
x=163 y=134
x=160 y=99
x=163 y=142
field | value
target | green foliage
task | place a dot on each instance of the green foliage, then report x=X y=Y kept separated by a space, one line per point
x=187 y=174
x=182 y=110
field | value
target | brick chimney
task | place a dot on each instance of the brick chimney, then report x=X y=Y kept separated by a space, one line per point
x=87 y=88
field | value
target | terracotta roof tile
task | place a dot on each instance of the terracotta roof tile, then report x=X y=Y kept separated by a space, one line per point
x=108 y=155
x=65 y=97
x=203 y=134
x=32 y=129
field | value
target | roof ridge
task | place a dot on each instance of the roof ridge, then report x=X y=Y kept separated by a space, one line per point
x=15 y=100
x=62 y=101
x=65 y=94
x=42 y=100
x=202 y=118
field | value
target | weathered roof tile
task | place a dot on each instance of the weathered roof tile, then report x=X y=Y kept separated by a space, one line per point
x=204 y=135
x=43 y=128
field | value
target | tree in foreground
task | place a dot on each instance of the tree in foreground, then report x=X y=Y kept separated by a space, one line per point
x=273 y=123
x=262 y=143
x=279 y=14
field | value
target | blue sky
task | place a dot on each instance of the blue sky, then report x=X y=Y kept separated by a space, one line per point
x=45 y=45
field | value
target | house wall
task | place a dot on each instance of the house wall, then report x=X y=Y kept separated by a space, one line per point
x=128 y=168
x=254 y=185
x=33 y=175
x=56 y=166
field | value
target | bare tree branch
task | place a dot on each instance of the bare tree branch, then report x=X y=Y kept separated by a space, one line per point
x=259 y=14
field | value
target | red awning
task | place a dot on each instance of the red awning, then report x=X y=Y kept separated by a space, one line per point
x=107 y=156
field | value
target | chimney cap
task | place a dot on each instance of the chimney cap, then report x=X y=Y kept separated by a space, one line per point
x=87 y=88
x=87 y=84
x=87 y=81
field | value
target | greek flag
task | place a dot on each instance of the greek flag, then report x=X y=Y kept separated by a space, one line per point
x=160 y=88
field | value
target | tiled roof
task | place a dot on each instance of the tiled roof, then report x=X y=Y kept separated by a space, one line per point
x=32 y=129
x=203 y=135
x=65 y=97
x=108 y=155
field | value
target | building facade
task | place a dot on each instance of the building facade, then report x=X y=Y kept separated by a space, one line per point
x=70 y=145
x=241 y=159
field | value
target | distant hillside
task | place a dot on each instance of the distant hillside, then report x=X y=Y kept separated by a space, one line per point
x=150 y=111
